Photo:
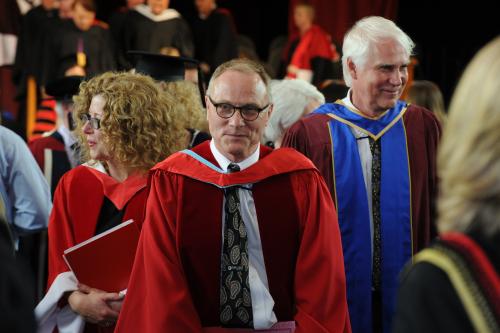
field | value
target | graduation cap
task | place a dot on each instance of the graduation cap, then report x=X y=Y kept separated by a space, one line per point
x=64 y=88
x=167 y=68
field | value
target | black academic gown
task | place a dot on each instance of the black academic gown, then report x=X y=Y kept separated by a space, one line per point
x=215 y=38
x=427 y=300
x=60 y=52
x=143 y=34
x=29 y=51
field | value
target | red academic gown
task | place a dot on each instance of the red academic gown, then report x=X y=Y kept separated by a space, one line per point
x=77 y=204
x=175 y=281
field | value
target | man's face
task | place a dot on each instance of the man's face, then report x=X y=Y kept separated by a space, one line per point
x=237 y=138
x=158 y=6
x=378 y=84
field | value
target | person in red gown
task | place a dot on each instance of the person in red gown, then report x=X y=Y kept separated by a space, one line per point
x=125 y=125
x=254 y=248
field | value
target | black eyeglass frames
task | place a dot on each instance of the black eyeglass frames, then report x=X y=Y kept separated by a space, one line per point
x=247 y=112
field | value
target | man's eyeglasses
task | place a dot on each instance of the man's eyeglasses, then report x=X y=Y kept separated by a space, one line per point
x=95 y=123
x=247 y=112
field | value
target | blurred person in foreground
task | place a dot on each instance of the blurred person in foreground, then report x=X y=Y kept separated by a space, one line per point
x=237 y=235
x=125 y=125
x=454 y=286
x=377 y=155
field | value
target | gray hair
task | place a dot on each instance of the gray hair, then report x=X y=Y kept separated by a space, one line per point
x=290 y=97
x=360 y=40
x=469 y=155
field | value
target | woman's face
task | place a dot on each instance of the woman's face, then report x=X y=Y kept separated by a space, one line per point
x=95 y=138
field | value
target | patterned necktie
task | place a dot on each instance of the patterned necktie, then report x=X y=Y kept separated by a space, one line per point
x=375 y=149
x=235 y=299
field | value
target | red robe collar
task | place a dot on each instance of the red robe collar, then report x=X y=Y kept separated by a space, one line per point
x=120 y=193
x=200 y=164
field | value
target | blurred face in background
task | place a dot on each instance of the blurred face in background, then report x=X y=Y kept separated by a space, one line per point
x=158 y=6
x=205 y=7
x=65 y=9
x=82 y=17
x=303 y=17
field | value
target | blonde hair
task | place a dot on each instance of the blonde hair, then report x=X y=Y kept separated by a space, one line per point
x=428 y=95
x=190 y=111
x=139 y=125
x=469 y=157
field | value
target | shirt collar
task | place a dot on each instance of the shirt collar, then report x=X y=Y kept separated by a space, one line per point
x=347 y=101
x=224 y=161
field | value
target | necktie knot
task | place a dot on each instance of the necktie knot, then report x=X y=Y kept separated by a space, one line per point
x=233 y=167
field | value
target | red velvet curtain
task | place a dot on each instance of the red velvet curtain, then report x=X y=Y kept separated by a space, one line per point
x=337 y=16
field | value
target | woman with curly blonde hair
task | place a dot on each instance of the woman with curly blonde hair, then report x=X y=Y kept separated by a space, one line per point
x=125 y=125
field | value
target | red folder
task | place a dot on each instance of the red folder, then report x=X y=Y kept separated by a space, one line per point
x=105 y=261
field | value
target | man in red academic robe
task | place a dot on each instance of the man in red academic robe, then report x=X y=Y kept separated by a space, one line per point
x=254 y=248
x=378 y=157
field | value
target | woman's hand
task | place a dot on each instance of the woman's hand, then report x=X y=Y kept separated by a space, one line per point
x=94 y=305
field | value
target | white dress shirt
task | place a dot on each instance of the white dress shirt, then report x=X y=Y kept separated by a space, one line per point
x=262 y=301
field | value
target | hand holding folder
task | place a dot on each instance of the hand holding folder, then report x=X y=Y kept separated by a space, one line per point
x=105 y=261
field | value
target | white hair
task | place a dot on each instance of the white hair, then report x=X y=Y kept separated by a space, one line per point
x=361 y=39
x=290 y=99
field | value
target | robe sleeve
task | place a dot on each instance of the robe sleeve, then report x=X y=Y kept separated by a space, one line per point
x=311 y=137
x=60 y=232
x=320 y=286
x=158 y=298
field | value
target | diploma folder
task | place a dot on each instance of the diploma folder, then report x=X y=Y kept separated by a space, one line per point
x=105 y=261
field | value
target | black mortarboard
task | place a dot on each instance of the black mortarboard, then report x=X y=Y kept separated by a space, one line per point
x=166 y=68
x=64 y=88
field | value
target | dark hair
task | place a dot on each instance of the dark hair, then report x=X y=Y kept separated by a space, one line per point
x=87 y=4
